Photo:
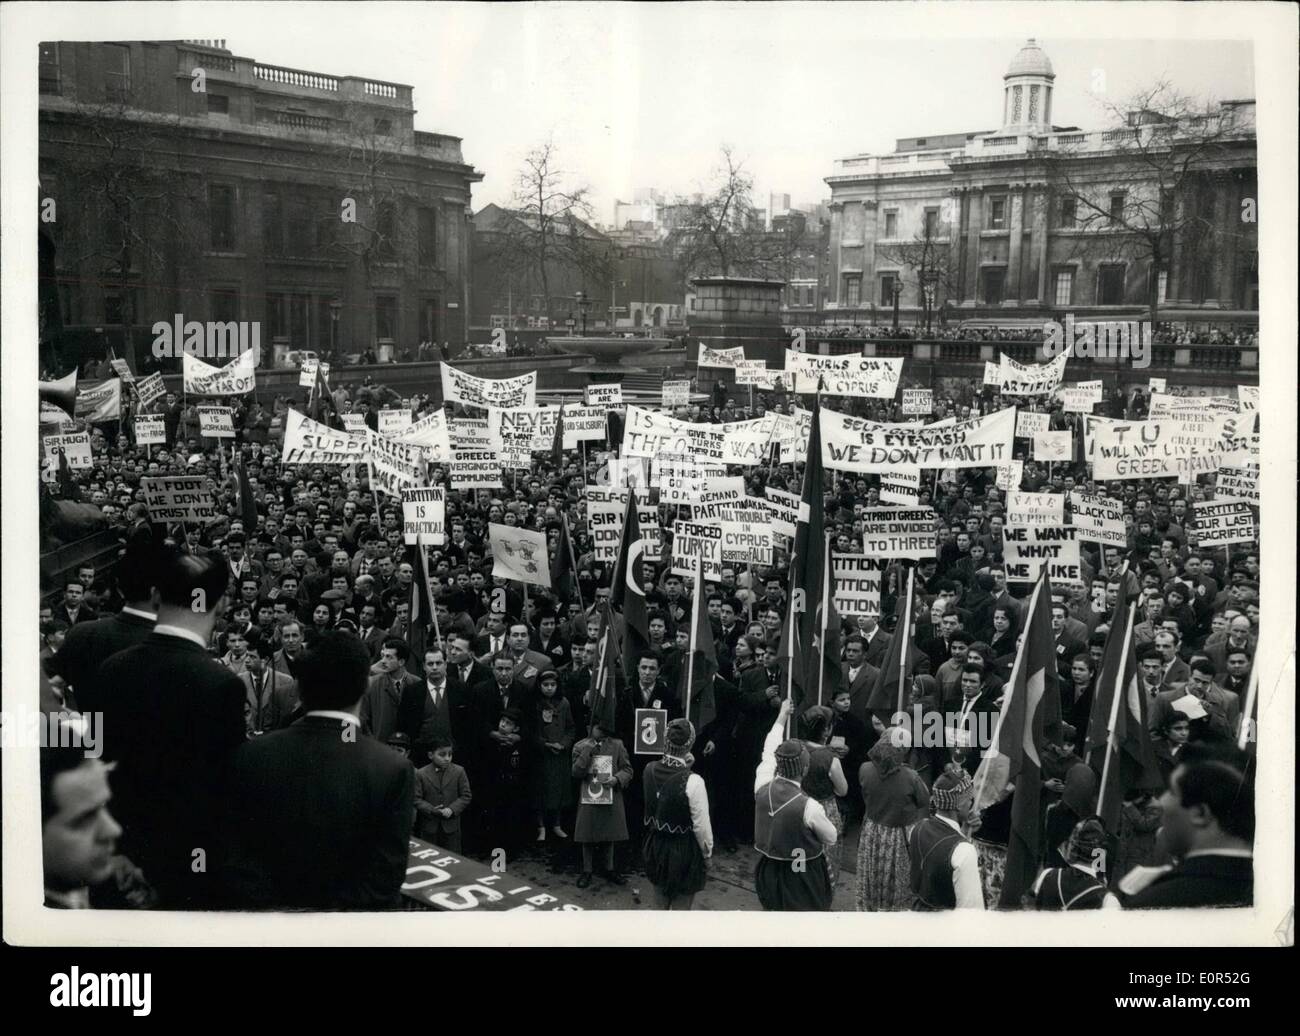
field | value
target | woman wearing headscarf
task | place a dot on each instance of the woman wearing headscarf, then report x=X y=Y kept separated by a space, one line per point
x=1078 y=801
x=679 y=838
x=924 y=700
x=895 y=798
x=824 y=780
x=1002 y=645
x=1076 y=700
x=1081 y=884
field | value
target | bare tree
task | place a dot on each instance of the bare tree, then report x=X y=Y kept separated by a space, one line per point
x=719 y=232
x=929 y=256
x=1159 y=187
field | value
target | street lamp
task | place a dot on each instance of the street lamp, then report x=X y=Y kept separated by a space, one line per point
x=336 y=307
x=583 y=303
x=930 y=288
x=896 y=288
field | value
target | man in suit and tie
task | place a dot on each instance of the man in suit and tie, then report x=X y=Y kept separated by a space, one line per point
x=492 y=641
x=974 y=734
x=271 y=696
x=177 y=716
x=89 y=644
x=1176 y=672
x=1207 y=824
x=438 y=691
x=730 y=629
x=1239 y=638
x=320 y=818
x=760 y=677
x=859 y=676
x=291 y=648
x=395 y=700
x=1222 y=708
x=529 y=664
x=74 y=609
x=1065 y=646
x=875 y=640
x=369 y=632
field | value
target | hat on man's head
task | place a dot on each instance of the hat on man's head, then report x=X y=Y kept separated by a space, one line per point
x=679 y=738
x=1088 y=836
x=791 y=760
x=950 y=788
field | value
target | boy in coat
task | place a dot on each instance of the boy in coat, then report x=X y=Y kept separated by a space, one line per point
x=442 y=794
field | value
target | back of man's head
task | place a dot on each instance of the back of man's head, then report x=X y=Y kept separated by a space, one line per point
x=193 y=582
x=1222 y=779
x=332 y=674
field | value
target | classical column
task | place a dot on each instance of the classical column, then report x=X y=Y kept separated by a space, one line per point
x=837 y=231
x=869 y=230
x=1177 y=276
x=1038 y=242
x=1229 y=229
x=974 y=216
x=1016 y=221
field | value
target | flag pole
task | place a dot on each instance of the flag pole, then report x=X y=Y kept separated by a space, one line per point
x=695 y=625
x=572 y=560
x=825 y=607
x=905 y=633
x=1248 y=707
x=1121 y=670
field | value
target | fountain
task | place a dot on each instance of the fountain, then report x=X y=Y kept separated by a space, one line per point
x=609 y=353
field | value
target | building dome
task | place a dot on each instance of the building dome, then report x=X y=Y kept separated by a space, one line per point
x=1031 y=61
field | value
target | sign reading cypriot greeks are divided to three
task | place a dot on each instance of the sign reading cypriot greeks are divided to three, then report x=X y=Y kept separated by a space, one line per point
x=898 y=532
x=179 y=498
x=424 y=515
x=855 y=444
x=875 y=377
x=459 y=387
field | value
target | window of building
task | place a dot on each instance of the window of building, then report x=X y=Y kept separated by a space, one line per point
x=385 y=231
x=300 y=226
x=1017 y=92
x=1117 y=206
x=998 y=211
x=117 y=71
x=223 y=304
x=807 y=295
x=277 y=315
x=383 y=126
x=1033 y=104
x=428 y=243
x=1063 y=291
x=272 y=223
x=326 y=216
x=891 y=224
x=69 y=303
x=1110 y=284
x=920 y=141
x=386 y=317
x=120 y=306
x=887 y=288
x=994 y=279
x=49 y=69
x=852 y=290
x=221 y=216
x=931 y=223
x=218 y=104
x=1069 y=212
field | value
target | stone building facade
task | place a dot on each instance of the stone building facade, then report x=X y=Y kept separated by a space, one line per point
x=1014 y=222
x=303 y=200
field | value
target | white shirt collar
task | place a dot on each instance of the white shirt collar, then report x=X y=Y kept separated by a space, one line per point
x=1238 y=854
x=153 y=616
x=183 y=634
x=951 y=823
x=346 y=717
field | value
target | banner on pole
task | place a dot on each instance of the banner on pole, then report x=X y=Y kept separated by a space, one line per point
x=1025 y=509
x=149 y=388
x=855 y=444
x=310 y=442
x=179 y=498
x=918 y=401
x=901 y=486
x=236 y=378
x=1099 y=519
x=73 y=445
x=676 y=393
x=898 y=532
x=1054 y=447
x=217 y=422
x=603 y=395
x=150 y=430
x=696 y=544
x=855 y=588
x=459 y=387
x=1222 y=524
x=1026 y=550
x=424 y=515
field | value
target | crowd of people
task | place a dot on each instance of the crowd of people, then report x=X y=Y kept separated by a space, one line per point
x=1161 y=334
x=276 y=726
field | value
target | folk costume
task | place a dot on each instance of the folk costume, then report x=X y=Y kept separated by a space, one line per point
x=944 y=867
x=678 y=835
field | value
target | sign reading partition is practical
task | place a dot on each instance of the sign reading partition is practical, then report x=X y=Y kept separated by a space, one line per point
x=424 y=515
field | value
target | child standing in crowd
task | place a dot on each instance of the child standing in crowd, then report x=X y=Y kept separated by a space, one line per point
x=442 y=794
x=603 y=767
x=554 y=736
x=507 y=803
x=679 y=838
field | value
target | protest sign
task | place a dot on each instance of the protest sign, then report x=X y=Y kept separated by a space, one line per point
x=1018 y=379
x=1194 y=408
x=73 y=445
x=720 y=357
x=354 y=423
x=603 y=395
x=646 y=434
x=784 y=509
x=992 y=374
x=519 y=431
x=676 y=393
x=447 y=881
x=149 y=388
x=917 y=401
x=1029 y=424
x=682 y=466
x=631 y=471
x=310 y=442
x=1080 y=398
x=606 y=506
x=898 y=532
x=123 y=371
x=752 y=372
x=475 y=469
x=875 y=377
x=855 y=585
x=150 y=430
x=651 y=731
x=469 y=433
x=1247 y=397
x=1026 y=550
x=1053 y=446
x=393 y=421
x=101 y=403
x=459 y=387
x=746 y=542
x=1222 y=524
x=1156 y=385
x=695 y=543
x=900 y=486
x=1099 y=519
x=179 y=498
x=791 y=434
x=718 y=493
x=1167 y=448
x=855 y=444
x=236 y=378
x=424 y=515
x=217 y=422
x=584 y=424
x=310 y=368
x=1025 y=509
x=519 y=554
x=394 y=465
x=1010 y=474
x=1237 y=484
x=431 y=434
x=747 y=442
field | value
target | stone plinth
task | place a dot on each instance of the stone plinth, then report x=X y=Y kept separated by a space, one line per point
x=736 y=311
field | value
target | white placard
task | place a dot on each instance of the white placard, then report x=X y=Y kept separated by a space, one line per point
x=150 y=430
x=676 y=393
x=424 y=515
x=1053 y=446
x=603 y=395
x=217 y=422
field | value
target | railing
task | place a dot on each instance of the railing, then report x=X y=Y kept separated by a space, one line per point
x=1071 y=138
x=214 y=44
x=98 y=549
x=215 y=62
x=373 y=88
x=896 y=160
x=294 y=120
x=295 y=77
x=997 y=141
x=1115 y=136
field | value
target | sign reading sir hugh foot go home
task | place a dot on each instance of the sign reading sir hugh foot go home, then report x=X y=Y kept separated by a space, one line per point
x=213 y=339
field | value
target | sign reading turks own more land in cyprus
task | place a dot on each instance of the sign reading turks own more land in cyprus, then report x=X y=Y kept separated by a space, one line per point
x=855 y=444
x=875 y=377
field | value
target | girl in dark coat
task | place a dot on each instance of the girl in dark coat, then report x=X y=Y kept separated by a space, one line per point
x=601 y=762
x=553 y=735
